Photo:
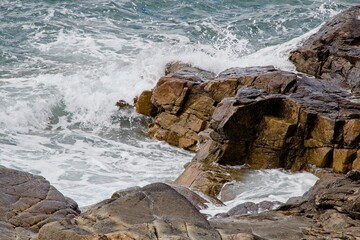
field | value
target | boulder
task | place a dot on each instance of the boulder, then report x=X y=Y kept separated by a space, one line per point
x=28 y=202
x=156 y=211
x=333 y=53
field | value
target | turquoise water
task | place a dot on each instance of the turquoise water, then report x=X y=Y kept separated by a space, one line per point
x=64 y=65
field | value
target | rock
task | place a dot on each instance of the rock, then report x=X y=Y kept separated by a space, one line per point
x=268 y=225
x=144 y=105
x=156 y=211
x=251 y=208
x=320 y=157
x=352 y=132
x=343 y=159
x=334 y=204
x=203 y=178
x=264 y=128
x=186 y=71
x=28 y=202
x=329 y=210
x=333 y=53
x=122 y=104
x=258 y=116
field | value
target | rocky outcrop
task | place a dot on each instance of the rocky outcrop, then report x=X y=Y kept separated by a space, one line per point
x=28 y=202
x=259 y=116
x=156 y=211
x=333 y=53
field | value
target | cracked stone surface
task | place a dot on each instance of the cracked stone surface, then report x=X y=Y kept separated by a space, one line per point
x=156 y=211
x=28 y=202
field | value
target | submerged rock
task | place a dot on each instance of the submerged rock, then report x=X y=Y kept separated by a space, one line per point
x=28 y=202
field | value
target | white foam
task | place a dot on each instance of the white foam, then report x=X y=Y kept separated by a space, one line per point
x=84 y=73
x=80 y=164
x=263 y=185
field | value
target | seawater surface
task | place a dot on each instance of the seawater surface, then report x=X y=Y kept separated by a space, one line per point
x=64 y=65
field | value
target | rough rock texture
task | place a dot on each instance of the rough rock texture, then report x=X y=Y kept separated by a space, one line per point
x=27 y=203
x=159 y=211
x=334 y=204
x=156 y=211
x=333 y=53
x=329 y=210
x=275 y=119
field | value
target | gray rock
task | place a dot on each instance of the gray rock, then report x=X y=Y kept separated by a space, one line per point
x=156 y=211
x=333 y=53
x=28 y=202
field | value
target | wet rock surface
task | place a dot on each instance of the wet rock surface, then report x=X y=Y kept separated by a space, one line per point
x=333 y=53
x=28 y=202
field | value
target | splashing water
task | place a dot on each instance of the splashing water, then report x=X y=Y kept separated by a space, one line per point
x=64 y=65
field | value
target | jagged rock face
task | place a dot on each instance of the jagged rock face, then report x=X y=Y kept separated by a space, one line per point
x=276 y=119
x=28 y=202
x=259 y=116
x=156 y=211
x=184 y=101
x=334 y=51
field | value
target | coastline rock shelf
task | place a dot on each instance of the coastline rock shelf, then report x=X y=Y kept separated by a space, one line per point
x=261 y=117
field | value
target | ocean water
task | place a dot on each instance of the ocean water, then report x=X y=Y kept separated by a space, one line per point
x=64 y=65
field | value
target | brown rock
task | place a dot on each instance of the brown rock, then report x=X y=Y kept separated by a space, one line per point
x=356 y=163
x=202 y=107
x=343 y=159
x=221 y=88
x=187 y=72
x=276 y=82
x=166 y=120
x=323 y=130
x=169 y=94
x=266 y=130
x=320 y=157
x=352 y=132
x=266 y=150
x=208 y=180
x=144 y=105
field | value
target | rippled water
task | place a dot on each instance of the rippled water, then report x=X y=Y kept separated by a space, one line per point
x=64 y=64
